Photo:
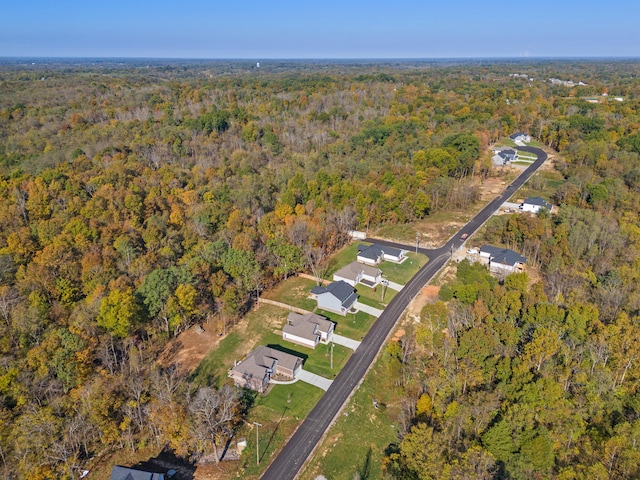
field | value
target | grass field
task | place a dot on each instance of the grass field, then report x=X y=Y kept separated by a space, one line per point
x=543 y=184
x=403 y=272
x=374 y=298
x=399 y=233
x=293 y=291
x=352 y=326
x=279 y=412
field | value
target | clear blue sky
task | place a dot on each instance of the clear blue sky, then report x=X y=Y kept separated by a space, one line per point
x=260 y=29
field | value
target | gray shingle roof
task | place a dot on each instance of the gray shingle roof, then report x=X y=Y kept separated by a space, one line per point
x=340 y=289
x=124 y=473
x=375 y=251
x=513 y=136
x=324 y=325
x=503 y=255
x=538 y=201
x=354 y=269
x=508 y=155
x=302 y=330
x=259 y=360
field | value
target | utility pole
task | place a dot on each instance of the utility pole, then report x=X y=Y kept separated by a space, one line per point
x=332 y=344
x=417 y=239
x=384 y=284
x=257 y=443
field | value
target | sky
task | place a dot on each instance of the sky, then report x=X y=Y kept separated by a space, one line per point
x=263 y=29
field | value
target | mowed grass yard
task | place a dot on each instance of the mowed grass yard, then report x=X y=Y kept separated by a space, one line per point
x=293 y=291
x=396 y=272
x=263 y=326
x=279 y=412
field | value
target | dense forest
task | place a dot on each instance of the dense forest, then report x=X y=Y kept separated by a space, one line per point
x=139 y=200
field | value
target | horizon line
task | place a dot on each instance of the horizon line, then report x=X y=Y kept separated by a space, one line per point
x=541 y=57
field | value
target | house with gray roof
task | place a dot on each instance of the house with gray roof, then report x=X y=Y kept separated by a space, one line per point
x=308 y=330
x=376 y=254
x=520 y=137
x=125 y=473
x=261 y=364
x=504 y=157
x=357 y=272
x=338 y=297
x=502 y=260
x=535 y=204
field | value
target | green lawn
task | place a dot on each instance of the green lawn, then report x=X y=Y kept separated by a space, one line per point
x=399 y=273
x=374 y=299
x=279 y=412
x=343 y=257
x=316 y=360
x=403 y=272
x=352 y=326
x=399 y=233
x=360 y=429
x=293 y=291
x=320 y=362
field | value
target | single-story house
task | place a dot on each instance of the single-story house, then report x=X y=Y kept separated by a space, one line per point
x=501 y=260
x=535 y=204
x=376 y=254
x=338 y=297
x=356 y=273
x=520 y=137
x=124 y=473
x=257 y=368
x=504 y=157
x=307 y=330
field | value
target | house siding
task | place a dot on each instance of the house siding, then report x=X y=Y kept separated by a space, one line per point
x=305 y=342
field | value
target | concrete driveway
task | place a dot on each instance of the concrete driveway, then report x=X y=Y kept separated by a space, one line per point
x=376 y=312
x=313 y=379
x=345 y=342
x=395 y=286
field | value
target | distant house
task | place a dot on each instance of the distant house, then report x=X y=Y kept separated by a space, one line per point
x=376 y=254
x=502 y=260
x=520 y=137
x=504 y=157
x=124 y=473
x=308 y=330
x=338 y=297
x=535 y=204
x=257 y=368
x=356 y=273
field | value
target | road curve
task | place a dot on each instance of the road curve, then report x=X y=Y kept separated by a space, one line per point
x=302 y=443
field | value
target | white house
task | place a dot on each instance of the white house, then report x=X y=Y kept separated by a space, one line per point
x=535 y=204
x=501 y=260
x=356 y=273
x=504 y=157
x=338 y=297
x=376 y=254
x=308 y=330
x=520 y=137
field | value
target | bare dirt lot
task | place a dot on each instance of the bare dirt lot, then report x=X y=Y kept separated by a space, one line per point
x=190 y=348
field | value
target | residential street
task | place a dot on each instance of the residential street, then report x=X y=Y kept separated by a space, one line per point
x=302 y=444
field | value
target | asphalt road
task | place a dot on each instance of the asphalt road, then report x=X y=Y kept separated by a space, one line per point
x=302 y=443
